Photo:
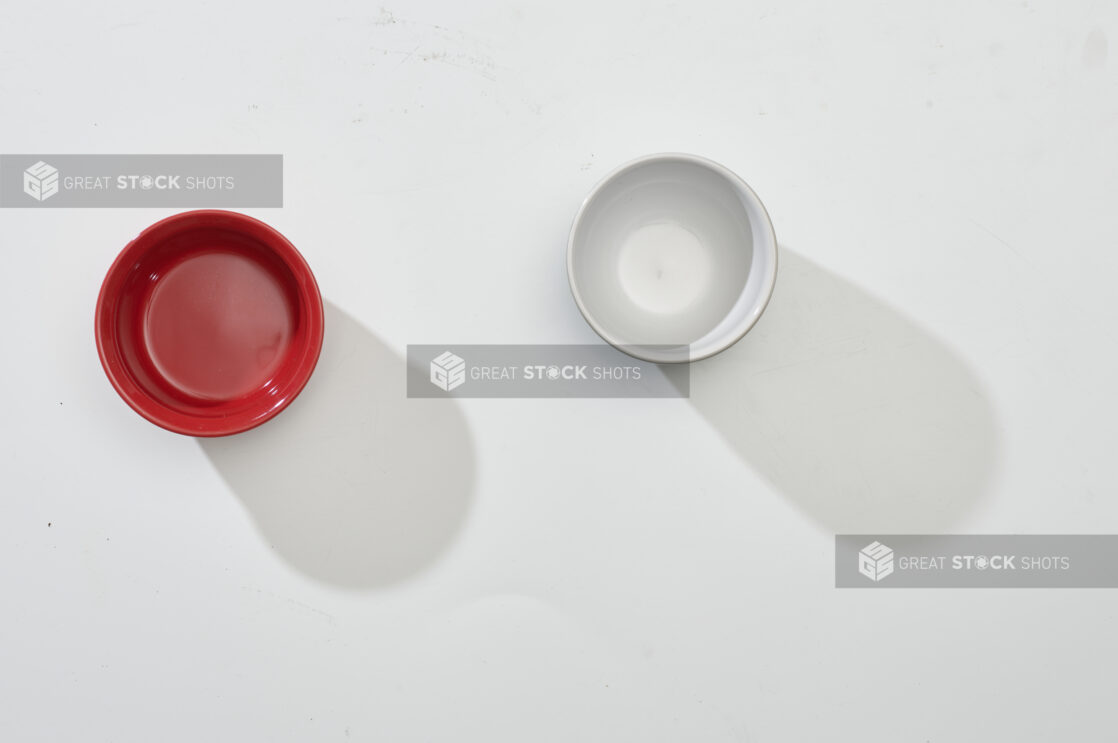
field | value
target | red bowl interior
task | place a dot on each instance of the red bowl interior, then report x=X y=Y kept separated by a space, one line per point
x=209 y=323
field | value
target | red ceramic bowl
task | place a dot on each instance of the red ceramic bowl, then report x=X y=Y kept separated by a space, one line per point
x=209 y=323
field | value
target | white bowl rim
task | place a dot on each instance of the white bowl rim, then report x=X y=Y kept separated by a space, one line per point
x=759 y=219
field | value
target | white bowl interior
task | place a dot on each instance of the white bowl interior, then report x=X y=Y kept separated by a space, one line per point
x=672 y=251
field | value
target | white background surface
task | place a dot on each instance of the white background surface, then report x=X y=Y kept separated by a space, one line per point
x=940 y=356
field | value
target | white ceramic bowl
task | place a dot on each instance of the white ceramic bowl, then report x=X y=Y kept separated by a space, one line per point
x=672 y=258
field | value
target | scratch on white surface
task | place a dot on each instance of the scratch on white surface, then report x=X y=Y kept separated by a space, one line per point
x=468 y=62
x=293 y=602
x=388 y=19
x=409 y=55
x=432 y=42
x=994 y=235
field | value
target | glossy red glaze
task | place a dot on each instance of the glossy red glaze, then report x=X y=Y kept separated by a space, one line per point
x=209 y=323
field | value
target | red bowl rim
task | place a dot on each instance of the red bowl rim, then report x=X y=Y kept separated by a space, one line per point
x=109 y=353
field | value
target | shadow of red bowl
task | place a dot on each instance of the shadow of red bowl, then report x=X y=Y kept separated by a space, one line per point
x=209 y=323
